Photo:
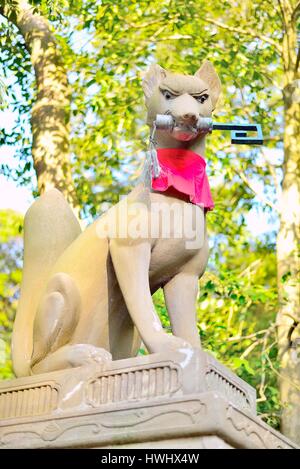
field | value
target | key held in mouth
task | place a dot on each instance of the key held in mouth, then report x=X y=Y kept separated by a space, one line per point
x=205 y=125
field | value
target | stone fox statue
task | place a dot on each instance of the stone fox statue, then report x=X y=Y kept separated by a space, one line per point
x=87 y=298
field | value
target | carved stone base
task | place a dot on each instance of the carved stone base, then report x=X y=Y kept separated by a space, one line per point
x=188 y=400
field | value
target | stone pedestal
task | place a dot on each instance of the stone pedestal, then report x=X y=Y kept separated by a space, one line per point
x=188 y=400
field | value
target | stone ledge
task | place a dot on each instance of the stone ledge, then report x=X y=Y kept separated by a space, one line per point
x=139 y=402
x=196 y=417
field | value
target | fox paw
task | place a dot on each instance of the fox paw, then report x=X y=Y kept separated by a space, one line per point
x=85 y=354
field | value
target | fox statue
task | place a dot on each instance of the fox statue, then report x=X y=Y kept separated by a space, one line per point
x=86 y=297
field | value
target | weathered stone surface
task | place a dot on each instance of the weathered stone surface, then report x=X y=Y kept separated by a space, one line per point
x=189 y=400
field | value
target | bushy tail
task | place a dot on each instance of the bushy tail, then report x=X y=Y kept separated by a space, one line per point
x=50 y=227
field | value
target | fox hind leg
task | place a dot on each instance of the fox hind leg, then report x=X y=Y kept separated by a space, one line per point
x=54 y=325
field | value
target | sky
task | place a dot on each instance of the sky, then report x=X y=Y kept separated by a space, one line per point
x=11 y=196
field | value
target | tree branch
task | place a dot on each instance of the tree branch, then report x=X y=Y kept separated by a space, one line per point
x=288 y=6
x=296 y=12
x=250 y=348
x=174 y=37
x=273 y=138
x=250 y=336
x=252 y=188
x=246 y=32
x=273 y=173
x=145 y=25
x=280 y=375
x=51 y=111
x=297 y=60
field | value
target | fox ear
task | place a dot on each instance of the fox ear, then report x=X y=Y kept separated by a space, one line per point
x=208 y=74
x=152 y=78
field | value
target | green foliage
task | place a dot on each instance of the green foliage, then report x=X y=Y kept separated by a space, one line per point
x=3 y=92
x=17 y=73
x=236 y=309
x=106 y=46
x=10 y=278
x=236 y=324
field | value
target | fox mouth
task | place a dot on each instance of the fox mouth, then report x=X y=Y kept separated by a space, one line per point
x=184 y=132
x=179 y=129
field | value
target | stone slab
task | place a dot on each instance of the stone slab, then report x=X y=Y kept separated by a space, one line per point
x=152 y=401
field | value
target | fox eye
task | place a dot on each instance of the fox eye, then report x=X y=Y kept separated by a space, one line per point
x=201 y=98
x=167 y=94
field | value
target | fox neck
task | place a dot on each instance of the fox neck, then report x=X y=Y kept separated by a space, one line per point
x=165 y=140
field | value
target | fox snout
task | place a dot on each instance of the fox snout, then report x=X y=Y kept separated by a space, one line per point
x=190 y=118
x=185 y=111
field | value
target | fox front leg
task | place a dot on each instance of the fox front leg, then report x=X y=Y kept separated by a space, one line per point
x=180 y=296
x=131 y=262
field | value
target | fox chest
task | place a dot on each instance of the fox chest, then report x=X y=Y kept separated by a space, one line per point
x=178 y=236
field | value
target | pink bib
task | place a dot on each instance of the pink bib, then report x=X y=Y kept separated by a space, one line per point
x=184 y=170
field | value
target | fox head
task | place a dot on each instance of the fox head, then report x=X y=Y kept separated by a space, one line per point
x=185 y=97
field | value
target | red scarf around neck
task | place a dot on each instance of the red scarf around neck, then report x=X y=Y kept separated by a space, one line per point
x=184 y=170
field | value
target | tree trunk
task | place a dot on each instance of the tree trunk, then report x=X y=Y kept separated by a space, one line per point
x=288 y=239
x=51 y=111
